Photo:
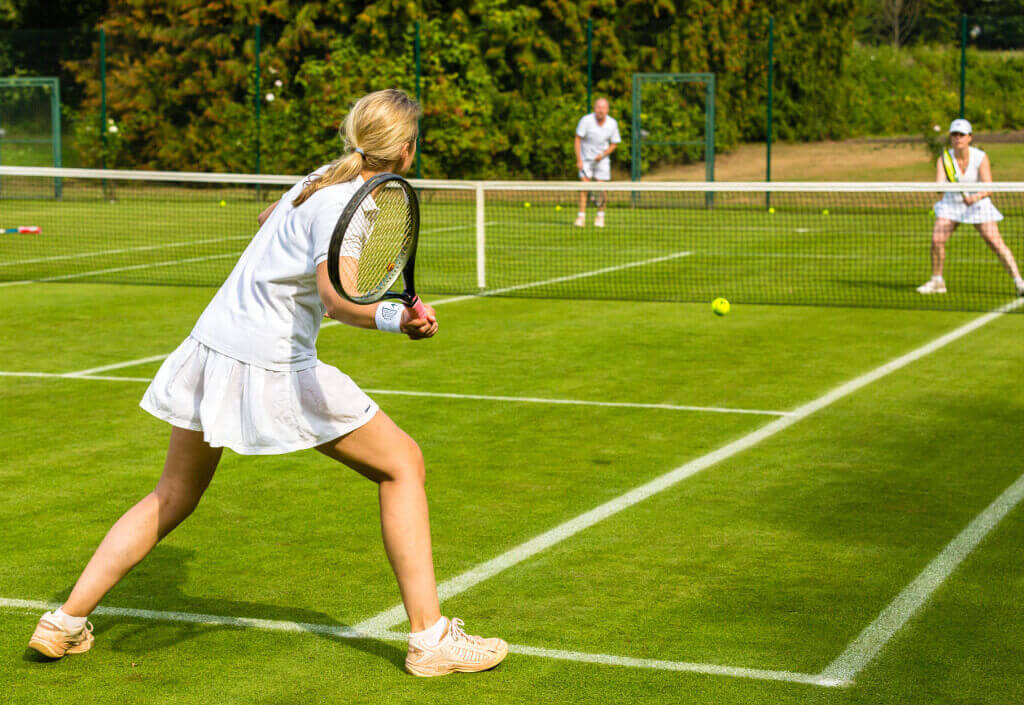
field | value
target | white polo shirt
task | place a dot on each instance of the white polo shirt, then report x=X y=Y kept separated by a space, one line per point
x=268 y=311
x=595 y=138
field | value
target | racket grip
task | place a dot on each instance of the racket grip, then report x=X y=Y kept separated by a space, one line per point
x=419 y=308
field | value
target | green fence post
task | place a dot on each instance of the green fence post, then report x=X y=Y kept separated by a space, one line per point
x=416 y=59
x=257 y=80
x=590 y=64
x=771 y=97
x=963 y=63
x=634 y=156
x=103 y=98
x=55 y=134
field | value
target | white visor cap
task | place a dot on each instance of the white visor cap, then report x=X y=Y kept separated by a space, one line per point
x=960 y=125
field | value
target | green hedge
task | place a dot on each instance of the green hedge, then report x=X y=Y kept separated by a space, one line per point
x=504 y=82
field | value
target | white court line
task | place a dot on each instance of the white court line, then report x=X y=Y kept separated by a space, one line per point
x=566 y=278
x=115 y=366
x=142 y=248
x=85 y=374
x=579 y=402
x=350 y=633
x=876 y=635
x=460 y=583
x=79 y=275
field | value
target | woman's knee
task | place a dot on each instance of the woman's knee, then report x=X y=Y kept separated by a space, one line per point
x=407 y=465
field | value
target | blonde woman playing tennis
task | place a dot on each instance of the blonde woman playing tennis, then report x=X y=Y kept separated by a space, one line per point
x=247 y=378
x=968 y=165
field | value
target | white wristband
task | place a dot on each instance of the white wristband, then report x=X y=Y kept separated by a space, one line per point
x=389 y=316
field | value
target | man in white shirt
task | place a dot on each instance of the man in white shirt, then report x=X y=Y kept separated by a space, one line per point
x=597 y=136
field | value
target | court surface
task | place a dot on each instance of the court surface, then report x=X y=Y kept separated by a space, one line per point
x=651 y=504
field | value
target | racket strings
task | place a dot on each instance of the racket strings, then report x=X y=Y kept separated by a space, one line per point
x=385 y=233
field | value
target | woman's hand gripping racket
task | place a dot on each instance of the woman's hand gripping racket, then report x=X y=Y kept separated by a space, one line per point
x=375 y=241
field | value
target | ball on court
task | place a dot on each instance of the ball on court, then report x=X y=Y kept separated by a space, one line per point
x=720 y=306
x=825 y=212
x=526 y=204
x=558 y=208
x=223 y=203
x=771 y=210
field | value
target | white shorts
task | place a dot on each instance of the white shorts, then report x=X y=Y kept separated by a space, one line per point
x=984 y=211
x=597 y=171
x=251 y=410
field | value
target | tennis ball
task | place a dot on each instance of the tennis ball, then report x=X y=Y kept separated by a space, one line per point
x=720 y=306
x=825 y=212
x=558 y=208
x=526 y=204
x=771 y=210
x=223 y=203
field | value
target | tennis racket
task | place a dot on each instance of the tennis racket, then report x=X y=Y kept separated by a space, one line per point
x=374 y=243
x=947 y=165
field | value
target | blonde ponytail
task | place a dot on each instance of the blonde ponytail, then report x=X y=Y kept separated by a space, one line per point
x=374 y=132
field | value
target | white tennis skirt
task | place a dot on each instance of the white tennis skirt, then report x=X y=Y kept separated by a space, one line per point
x=251 y=410
x=984 y=211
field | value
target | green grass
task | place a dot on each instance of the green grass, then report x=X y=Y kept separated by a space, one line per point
x=775 y=558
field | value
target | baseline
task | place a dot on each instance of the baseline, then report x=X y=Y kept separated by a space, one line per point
x=343 y=632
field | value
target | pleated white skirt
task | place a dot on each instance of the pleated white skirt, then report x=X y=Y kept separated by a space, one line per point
x=984 y=211
x=251 y=410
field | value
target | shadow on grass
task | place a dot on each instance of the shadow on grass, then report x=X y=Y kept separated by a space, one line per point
x=156 y=584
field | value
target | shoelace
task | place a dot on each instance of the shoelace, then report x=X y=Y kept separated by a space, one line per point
x=455 y=627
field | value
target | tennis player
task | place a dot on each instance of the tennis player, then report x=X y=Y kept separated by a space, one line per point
x=247 y=378
x=597 y=136
x=970 y=165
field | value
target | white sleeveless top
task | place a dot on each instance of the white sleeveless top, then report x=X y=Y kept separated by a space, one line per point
x=952 y=206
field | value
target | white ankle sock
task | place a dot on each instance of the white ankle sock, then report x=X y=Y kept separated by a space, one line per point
x=581 y=214
x=431 y=636
x=72 y=624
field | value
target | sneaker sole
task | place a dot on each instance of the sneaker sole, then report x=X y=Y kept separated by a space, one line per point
x=439 y=671
x=45 y=648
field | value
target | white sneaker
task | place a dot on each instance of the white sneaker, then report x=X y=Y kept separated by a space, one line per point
x=457 y=651
x=932 y=286
x=52 y=639
x=599 y=220
x=1019 y=283
x=581 y=221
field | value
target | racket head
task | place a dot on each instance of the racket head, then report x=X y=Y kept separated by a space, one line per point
x=374 y=241
x=947 y=165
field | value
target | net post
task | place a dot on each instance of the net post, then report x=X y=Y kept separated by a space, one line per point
x=771 y=98
x=419 y=72
x=963 y=63
x=481 y=239
x=634 y=157
x=709 y=136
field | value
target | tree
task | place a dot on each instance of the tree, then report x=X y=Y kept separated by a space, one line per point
x=900 y=16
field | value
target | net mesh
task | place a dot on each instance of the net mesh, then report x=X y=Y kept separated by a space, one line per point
x=842 y=245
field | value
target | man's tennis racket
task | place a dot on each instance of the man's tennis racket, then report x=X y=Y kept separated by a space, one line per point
x=375 y=241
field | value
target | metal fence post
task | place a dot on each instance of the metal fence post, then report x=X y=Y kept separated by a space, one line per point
x=416 y=59
x=257 y=80
x=963 y=64
x=771 y=97
x=590 y=65
x=103 y=98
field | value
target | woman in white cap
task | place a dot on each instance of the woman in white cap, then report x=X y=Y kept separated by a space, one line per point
x=970 y=165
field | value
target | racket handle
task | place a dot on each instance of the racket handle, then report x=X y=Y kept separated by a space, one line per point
x=419 y=308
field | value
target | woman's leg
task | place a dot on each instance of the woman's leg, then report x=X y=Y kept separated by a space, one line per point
x=188 y=470
x=990 y=233
x=383 y=452
x=940 y=235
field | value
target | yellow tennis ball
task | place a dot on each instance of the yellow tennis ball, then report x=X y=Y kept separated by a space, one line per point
x=720 y=306
x=771 y=210
x=825 y=212
x=558 y=208
x=526 y=204
x=223 y=203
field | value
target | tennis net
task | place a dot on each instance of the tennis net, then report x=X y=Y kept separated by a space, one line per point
x=839 y=244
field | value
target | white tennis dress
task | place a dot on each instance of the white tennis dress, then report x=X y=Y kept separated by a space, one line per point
x=952 y=206
x=247 y=376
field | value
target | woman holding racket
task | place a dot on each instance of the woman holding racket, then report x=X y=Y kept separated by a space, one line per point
x=965 y=164
x=247 y=378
